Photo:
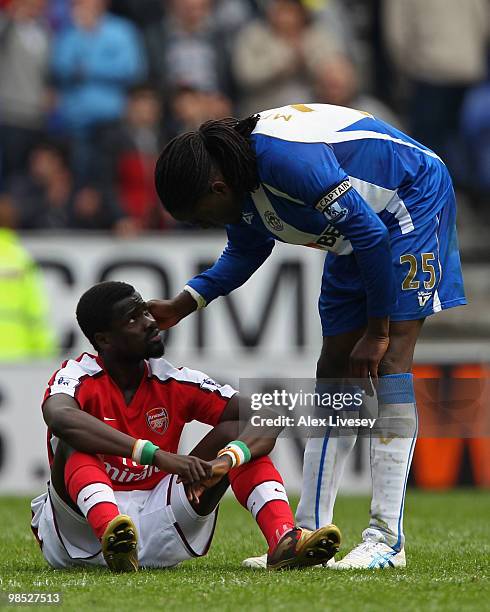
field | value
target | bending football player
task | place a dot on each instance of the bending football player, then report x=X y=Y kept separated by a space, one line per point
x=382 y=206
x=119 y=493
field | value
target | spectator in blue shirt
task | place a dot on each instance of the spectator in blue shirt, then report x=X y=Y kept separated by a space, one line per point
x=95 y=62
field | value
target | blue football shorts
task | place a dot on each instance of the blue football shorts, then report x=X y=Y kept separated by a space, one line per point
x=428 y=275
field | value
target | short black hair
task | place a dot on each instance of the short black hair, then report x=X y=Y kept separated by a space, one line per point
x=184 y=170
x=94 y=309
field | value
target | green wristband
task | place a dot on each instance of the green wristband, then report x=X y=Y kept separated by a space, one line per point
x=246 y=451
x=148 y=453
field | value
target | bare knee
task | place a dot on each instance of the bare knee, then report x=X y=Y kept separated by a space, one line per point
x=399 y=356
x=334 y=358
x=331 y=366
x=394 y=364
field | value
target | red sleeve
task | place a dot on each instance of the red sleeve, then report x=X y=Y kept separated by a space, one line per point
x=207 y=407
x=204 y=399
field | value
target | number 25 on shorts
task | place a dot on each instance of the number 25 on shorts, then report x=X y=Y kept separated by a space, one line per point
x=427 y=267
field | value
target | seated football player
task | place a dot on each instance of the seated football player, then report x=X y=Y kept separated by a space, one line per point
x=119 y=494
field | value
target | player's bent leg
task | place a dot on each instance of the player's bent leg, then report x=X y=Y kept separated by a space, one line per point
x=173 y=529
x=90 y=488
x=325 y=458
x=80 y=513
x=258 y=486
x=391 y=449
x=207 y=449
x=67 y=539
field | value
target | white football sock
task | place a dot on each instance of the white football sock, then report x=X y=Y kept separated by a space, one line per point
x=94 y=494
x=392 y=444
x=324 y=462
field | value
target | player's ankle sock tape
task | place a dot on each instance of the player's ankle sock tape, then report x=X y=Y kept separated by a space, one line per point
x=397 y=414
x=392 y=445
x=396 y=389
x=90 y=488
x=258 y=486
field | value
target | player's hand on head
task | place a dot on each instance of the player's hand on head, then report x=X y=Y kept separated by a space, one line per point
x=164 y=312
x=168 y=313
x=365 y=359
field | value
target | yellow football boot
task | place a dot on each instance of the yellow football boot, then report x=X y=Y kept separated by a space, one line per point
x=120 y=545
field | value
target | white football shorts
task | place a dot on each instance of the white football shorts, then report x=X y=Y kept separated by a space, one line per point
x=169 y=530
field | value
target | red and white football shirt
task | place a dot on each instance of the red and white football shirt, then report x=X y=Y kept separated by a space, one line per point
x=167 y=398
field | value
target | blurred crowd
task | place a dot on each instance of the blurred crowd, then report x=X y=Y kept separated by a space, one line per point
x=91 y=90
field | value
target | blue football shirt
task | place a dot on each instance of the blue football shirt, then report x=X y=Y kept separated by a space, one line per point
x=335 y=179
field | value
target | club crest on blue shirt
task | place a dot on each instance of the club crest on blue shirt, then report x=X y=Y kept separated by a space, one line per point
x=273 y=221
x=157 y=420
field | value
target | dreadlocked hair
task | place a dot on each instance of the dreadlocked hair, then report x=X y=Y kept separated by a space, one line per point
x=186 y=166
x=94 y=309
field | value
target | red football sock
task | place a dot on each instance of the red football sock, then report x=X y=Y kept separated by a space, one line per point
x=89 y=486
x=258 y=486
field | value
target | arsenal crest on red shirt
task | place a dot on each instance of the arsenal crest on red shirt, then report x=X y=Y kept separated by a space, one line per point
x=157 y=419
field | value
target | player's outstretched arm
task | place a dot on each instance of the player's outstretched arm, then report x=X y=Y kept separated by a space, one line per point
x=245 y=252
x=87 y=434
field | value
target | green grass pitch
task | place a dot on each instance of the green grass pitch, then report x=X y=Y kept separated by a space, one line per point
x=448 y=553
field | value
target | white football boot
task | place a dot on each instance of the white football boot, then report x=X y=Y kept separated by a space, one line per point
x=371 y=555
x=256 y=562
